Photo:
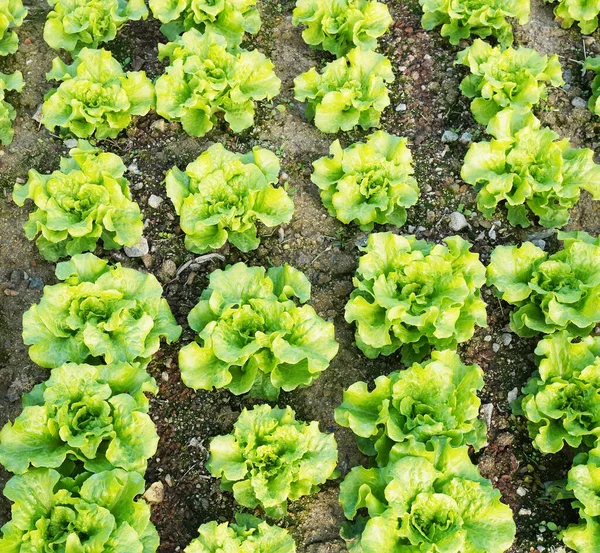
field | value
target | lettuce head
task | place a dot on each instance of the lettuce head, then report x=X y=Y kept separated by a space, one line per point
x=12 y=15
x=99 y=313
x=271 y=458
x=253 y=337
x=15 y=82
x=593 y=64
x=222 y=195
x=583 y=12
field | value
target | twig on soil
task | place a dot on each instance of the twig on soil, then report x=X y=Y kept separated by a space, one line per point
x=201 y=259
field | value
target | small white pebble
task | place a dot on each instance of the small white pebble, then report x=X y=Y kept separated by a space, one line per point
x=496 y=348
x=524 y=512
x=154 y=201
x=512 y=395
x=521 y=491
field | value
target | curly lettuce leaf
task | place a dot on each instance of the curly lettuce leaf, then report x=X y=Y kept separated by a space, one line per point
x=351 y=91
x=369 y=182
x=506 y=78
x=230 y=18
x=413 y=295
x=12 y=15
x=222 y=195
x=96 y=97
x=593 y=64
x=437 y=398
x=583 y=12
x=271 y=458
x=337 y=26
x=550 y=292
x=206 y=78
x=87 y=200
x=253 y=337
x=76 y=24
x=100 y=313
x=15 y=82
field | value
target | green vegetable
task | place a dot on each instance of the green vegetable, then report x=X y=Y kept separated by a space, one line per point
x=248 y=535
x=76 y=24
x=337 y=26
x=593 y=64
x=562 y=399
x=584 y=482
x=100 y=313
x=583 y=12
x=271 y=458
x=12 y=15
x=15 y=82
x=253 y=337
x=79 y=419
x=86 y=201
x=484 y=18
x=415 y=295
x=511 y=78
x=206 y=78
x=229 y=18
x=551 y=292
x=91 y=513
x=96 y=97
x=435 y=399
x=530 y=169
x=369 y=182
x=426 y=501
x=350 y=91
x=222 y=195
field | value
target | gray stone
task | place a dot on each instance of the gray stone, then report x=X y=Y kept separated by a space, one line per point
x=71 y=143
x=155 y=493
x=466 y=138
x=140 y=249
x=539 y=243
x=155 y=201
x=458 y=221
x=579 y=102
x=401 y=107
x=36 y=283
x=449 y=136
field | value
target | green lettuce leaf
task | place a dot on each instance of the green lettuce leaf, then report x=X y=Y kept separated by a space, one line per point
x=253 y=337
x=206 y=78
x=551 y=292
x=87 y=200
x=529 y=169
x=369 y=182
x=79 y=419
x=351 y=91
x=337 y=26
x=15 y=82
x=229 y=18
x=506 y=78
x=435 y=399
x=593 y=64
x=98 y=513
x=271 y=458
x=12 y=15
x=96 y=97
x=221 y=196
x=583 y=12
x=413 y=295
x=483 y=18
x=100 y=313
x=76 y=24
x=248 y=535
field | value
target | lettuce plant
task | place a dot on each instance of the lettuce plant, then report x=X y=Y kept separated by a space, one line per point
x=415 y=295
x=76 y=24
x=90 y=513
x=100 y=313
x=593 y=64
x=206 y=78
x=369 y=182
x=337 y=26
x=437 y=398
x=230 y=18
x=79 y=419
x=583 y=12
x=15 y=82
x=484 y=18
x=248 y=535
x=530 y=170
x=562 y=399
x=222 y=194
x=96 y=97
x=270 y=458
x=506 y=78
x=425 y=500
x=253 y=336
x=584 y=482
x=12 y=15
x=550 y=292
x=87 y=200
x=350 y=91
